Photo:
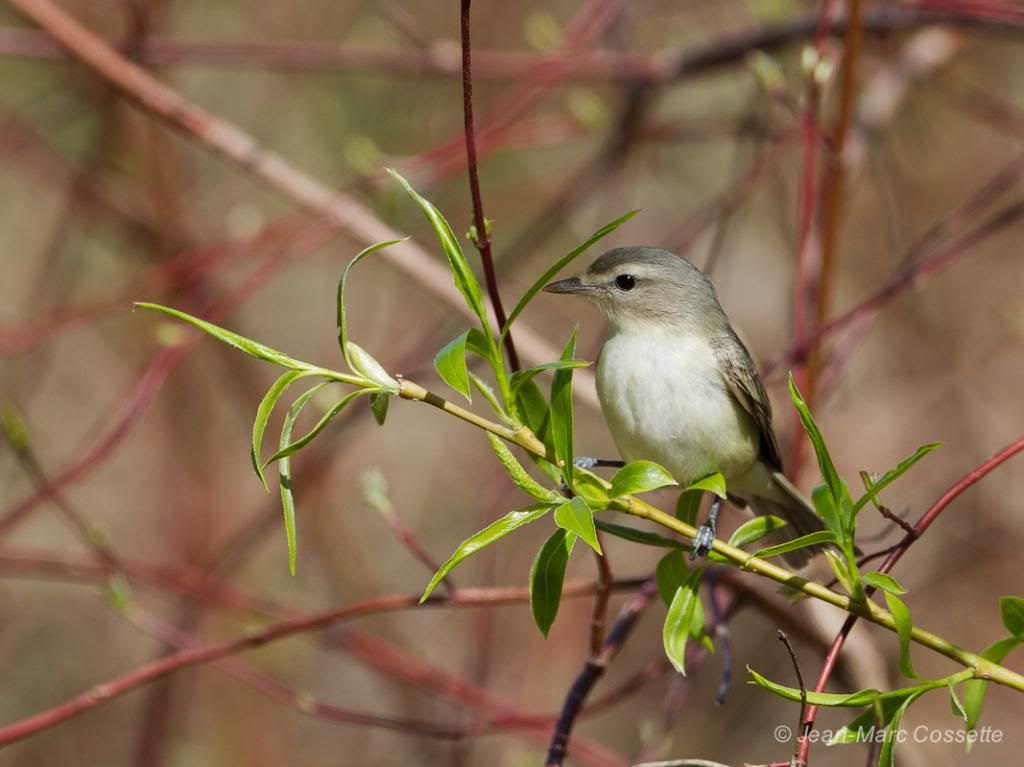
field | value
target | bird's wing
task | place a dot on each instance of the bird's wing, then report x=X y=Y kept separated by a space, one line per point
x=745 y=384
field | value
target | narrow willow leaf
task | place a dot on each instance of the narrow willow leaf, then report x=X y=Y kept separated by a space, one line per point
x=688 y=506
x=379 y=402
x=364 y=363
x=975 y=689
x=884 y=582
x=755 y=529
x=886 y=757
x=534 y=411
x=326 y=418
x=840 y=570
x=561 y=413
x=493 y=532
x=479 y=344
x=284 y=469
x=547 y=577
x=828 y=469
x=639 y=536
x=559 y=265
x=904 y=628
x=862 y=728
x=679 y=619
x=825 y=505
x=955 y=706
x=591 y=490
x=450 y=364
x=259 y=425
x=489 y=395
x=342 y=327
x=465 y=280
x=713 y=483
x=241 y=343
x=812 y=539
x=872 y=490
x=519 y=475
x=639 y=477
x=522 y=376
x=857 y=699
x=576 y=517
x=670 y=575
x=1011 y=609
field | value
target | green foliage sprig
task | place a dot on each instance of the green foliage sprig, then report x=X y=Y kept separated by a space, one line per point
x=543 y=428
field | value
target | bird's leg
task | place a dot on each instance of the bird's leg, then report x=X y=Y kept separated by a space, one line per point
x=706 y=532
x=586 y=462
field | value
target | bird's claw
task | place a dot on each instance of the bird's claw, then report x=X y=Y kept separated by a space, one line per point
x=703 y=540
x=584 y=462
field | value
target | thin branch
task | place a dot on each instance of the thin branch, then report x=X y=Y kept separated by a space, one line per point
x=482 y=235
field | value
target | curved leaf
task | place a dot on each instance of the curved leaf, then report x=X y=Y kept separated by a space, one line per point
x=884 y=582
x=520 y=377
x=1011 y=609
x=576 y=517
x=450 y=364
x=713 y=483
x=561 y=413
x=679 y=620
x=325 y=419
x=975 y=689
x=563 y=262
x=639 y=477
x=670 y=574
x=547 y=577
x=812 y=539
x=494 y=531
x=904 y=628
x=340 y=307
x=755 y=529
x=639 y=536
x=259 y=424
x=379 y=402
x=872 y=490
x=368 y=367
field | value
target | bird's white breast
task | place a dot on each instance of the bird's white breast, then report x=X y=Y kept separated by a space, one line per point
x=666 y=401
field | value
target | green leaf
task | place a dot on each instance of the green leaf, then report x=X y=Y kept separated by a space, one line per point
x=670 y=575
x=241 y=343
x=284 y=469
x=493 y=532
x=824 y=504
x=868 y=697
x=811 y=539
x=688 y=506
x=884 y=582
x=534 y=411
x=1011 y=609
x=955 y=706
x=479 y=343
x=325 y=419
x=828 y=469
x=561 y=414
x=547 y=576
x=872 y=490
x=755 y=529
x=886 y=757
x=450 y=363
x=639 y=477
x=590 y=489
x=489 y=395
x=259 y=425
x=364 y=363
x=519 y=475
x=904 y=628
x=975 y=689
x=465 y=280
x=563 y=262
x=639 y=536
x=840 y=570
x=713 y=483
x=679 y=620
x=342 y=330
x=379 y=402
x=860 y=729
x=522 y=376
x=576 y=517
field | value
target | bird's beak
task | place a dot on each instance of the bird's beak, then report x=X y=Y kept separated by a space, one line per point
x=570 y=285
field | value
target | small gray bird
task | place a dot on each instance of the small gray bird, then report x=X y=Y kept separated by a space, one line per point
x=678 y=387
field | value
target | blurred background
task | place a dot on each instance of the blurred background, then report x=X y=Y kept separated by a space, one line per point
x=130 y=517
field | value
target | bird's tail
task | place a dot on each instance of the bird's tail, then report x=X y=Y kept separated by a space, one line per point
x=790 y=504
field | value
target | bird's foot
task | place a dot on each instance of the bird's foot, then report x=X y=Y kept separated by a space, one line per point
x=705 y=536
x=587 y=462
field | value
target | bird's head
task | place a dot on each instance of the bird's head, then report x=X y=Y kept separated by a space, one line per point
x=641 y=288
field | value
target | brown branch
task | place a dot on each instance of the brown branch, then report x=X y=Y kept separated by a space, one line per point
x=482 y=235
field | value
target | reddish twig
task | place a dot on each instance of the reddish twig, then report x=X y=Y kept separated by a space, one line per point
x=482 y=236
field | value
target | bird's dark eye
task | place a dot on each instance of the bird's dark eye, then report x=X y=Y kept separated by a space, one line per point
x=625 y=282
